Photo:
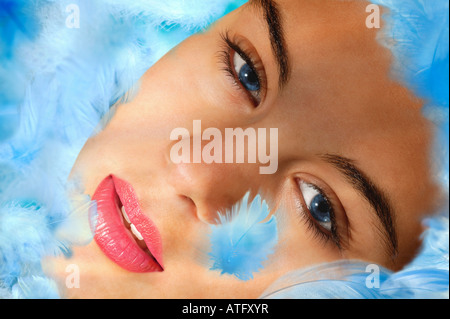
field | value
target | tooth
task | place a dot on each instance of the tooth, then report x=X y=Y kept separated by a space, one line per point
x=125 y=215
x=135 y=232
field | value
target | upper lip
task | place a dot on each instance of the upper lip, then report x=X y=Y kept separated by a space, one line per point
x=113 y=235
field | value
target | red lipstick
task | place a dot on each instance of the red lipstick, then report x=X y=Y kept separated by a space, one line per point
x=129 y=238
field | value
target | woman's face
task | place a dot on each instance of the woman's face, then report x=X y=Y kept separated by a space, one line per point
x=353 y=177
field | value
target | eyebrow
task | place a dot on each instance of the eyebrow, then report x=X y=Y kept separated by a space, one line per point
x=273 y=19
x=376 y=198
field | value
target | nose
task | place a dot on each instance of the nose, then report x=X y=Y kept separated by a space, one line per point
x=213 y=188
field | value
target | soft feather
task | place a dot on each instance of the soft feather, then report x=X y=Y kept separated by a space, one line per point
x=242 y=240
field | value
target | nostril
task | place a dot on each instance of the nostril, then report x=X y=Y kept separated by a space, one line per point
x=188 y=204
x=188 y=200
x=200 y=210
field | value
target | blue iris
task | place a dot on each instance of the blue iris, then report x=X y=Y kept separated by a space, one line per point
x=320 y=209
x=249 y=78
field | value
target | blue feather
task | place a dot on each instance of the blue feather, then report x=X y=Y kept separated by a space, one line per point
x=16 y=28
x=242 y=241
x=417 y=34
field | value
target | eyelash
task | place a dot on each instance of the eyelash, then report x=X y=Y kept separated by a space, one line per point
x=312 y=225
x=226 y=58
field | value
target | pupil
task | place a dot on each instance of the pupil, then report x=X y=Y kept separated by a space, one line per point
x=320 y=209
x=248 y=78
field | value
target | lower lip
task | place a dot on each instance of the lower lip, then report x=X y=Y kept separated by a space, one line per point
x=111 y=234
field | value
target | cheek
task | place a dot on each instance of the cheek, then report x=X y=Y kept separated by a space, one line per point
x=189 y=84
x=298 y=252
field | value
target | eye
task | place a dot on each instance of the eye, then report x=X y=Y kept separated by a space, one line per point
x=246 y=75
x=320 y=209
x=318 y=205
x=244 y=67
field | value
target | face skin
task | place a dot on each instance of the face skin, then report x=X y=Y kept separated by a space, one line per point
x=338 y=100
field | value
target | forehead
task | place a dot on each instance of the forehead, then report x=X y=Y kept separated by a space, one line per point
x=343 y=75
x=340 y=73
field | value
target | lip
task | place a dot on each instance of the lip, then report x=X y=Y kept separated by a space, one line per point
x=112 y=235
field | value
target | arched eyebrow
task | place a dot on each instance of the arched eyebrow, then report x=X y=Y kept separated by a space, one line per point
x=374 y=196
x=274 y=21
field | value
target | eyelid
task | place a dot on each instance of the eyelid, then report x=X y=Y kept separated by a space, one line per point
x=237 y=44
